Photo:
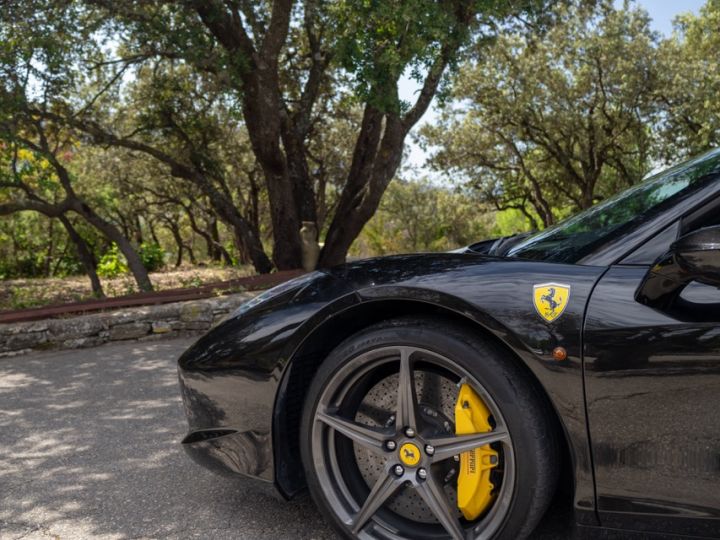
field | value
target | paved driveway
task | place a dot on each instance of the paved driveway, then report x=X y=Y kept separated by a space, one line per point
x=89 y=449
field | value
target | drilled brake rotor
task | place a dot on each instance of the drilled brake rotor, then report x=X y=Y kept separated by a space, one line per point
x=436 y=399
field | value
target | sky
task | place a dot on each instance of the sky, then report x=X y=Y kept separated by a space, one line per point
x=662 y=13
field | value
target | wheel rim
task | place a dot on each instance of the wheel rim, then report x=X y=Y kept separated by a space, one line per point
x=367 y=498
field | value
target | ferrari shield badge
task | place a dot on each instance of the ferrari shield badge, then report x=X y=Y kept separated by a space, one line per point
x=550 y=300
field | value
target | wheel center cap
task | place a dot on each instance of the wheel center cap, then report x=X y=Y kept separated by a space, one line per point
x=409 y=454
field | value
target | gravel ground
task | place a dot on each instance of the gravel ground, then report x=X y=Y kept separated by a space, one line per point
x=90 y=449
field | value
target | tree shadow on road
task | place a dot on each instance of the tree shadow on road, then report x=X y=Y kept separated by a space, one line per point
x=90 y=449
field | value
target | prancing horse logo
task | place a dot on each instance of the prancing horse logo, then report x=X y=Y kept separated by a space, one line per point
x=409 y=454
x=550 y=300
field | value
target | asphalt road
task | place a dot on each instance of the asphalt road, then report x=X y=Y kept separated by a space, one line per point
x=89 y=449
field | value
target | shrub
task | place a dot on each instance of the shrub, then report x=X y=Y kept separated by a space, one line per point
x=152 y=256
x=112 y=263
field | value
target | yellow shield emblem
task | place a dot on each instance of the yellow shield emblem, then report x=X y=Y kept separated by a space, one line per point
x=550 y=300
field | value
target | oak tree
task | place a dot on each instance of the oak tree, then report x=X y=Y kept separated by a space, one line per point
x=556 y=119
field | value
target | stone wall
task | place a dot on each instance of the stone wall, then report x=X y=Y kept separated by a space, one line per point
x=142 y=323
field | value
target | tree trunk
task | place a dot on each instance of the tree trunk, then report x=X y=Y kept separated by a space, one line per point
x=374 y=164
x=85 y=255
x=153 y=234
x=588 y=189
x=178 y=241
x=253 y=206
x=287 y=253
x=262 y=107
x=542 y=207
x=47 y=270
x=298 y=174
x=191 y=254
x=214 y=247
x=138 y=230
x=244 y=237
x=135 y=264
x=213 y=240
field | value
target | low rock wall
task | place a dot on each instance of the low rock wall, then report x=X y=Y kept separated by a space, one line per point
x=142 y=323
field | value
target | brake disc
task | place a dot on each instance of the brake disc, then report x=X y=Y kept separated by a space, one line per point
x=436 y=397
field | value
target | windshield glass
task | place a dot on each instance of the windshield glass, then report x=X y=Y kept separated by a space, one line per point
x=572 y=239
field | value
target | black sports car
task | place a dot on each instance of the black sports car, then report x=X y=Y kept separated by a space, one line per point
x=455 y=394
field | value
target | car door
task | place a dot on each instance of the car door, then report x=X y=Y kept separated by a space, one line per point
x=652 y=382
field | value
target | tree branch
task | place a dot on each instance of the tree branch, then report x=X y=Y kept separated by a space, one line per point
x=429 y=89
x=35 y=206
x=226 y=27
x=277 y=31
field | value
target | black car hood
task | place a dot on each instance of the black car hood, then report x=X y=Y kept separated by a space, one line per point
x=415 y=268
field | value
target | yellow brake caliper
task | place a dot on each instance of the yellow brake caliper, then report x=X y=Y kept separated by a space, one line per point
x=474 y=485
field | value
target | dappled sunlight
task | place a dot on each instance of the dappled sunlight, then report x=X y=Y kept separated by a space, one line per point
x=12 y=381
x=91 y=448
x=66 y=406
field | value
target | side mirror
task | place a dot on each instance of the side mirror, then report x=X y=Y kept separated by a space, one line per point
x=694 y=257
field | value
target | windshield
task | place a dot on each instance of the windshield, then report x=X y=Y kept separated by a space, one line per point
x=572 y=239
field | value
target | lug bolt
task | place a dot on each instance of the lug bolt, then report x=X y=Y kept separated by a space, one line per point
x=429 y=449
x=422 y=474
x=398 y=470
x=410 y=432
x=390 y=445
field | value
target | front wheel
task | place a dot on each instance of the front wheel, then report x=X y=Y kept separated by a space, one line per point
x=414 y=429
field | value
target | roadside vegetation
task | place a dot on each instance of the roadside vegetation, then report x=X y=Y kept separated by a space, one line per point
x=145 y=136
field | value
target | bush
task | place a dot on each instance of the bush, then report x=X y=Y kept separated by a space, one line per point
x=112 y=263
x=152 y=256
x=28 y=265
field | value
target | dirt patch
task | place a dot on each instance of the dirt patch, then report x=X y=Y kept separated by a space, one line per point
x=25 y=293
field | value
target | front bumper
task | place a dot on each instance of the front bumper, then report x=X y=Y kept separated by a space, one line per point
x=229 y=413
x=229 y=452
x=229 y=379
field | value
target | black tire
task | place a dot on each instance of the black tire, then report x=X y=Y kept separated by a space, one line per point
x=525 y=411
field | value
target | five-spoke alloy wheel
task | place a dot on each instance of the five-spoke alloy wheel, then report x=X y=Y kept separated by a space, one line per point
x=379 y=442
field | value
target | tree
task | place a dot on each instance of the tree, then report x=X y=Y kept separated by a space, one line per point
x=32 y=76
x=32 y=245
x=420 y=216
x=283 y=66
x=188 y=147
x=137 y=193
x=690 y=84
x=555 y=119
x=35 y=165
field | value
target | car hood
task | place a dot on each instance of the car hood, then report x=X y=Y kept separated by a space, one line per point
x=413 y=267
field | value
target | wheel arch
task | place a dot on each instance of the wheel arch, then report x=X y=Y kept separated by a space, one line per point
x=323 y=338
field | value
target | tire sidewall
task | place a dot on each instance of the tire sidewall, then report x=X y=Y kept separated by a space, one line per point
x=515 y=394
